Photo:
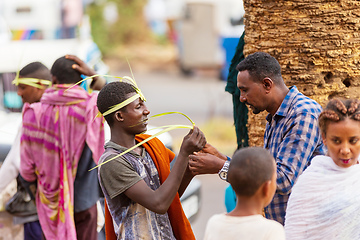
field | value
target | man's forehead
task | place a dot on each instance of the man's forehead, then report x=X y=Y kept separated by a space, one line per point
x=243 y=79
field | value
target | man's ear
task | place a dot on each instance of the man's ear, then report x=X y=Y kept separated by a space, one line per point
x=267 y=83
x=54 y=80
x=118 y=116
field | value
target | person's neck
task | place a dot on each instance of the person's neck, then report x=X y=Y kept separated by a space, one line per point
x=247 y=207
x=278 y=97
x=122 y=139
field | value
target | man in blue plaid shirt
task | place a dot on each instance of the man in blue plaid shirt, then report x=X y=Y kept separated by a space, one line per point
x=292 y=134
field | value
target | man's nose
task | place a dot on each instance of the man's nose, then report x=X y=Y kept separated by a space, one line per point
x=242 y=98
x=19 y=92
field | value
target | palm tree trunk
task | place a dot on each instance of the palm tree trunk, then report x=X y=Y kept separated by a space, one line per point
x=317 y=43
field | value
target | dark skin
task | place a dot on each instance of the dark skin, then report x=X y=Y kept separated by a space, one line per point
x=264 y=95
x=123 y=133
x=97 y=83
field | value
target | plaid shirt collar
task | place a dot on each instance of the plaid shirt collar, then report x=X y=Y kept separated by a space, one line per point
x=285 y=105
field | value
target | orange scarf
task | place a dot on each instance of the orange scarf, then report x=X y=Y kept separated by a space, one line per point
x=161 y=156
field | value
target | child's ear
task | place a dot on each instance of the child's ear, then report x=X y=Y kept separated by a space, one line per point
x=266 y=188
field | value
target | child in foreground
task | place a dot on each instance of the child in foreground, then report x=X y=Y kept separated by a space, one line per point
x=252 y=175
x=142 y=194
x=325 y=201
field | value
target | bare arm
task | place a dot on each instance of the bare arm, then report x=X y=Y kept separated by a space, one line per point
x=159 y=200
x=188 y=176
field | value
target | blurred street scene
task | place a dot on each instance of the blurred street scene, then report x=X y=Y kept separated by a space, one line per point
x=179 y=53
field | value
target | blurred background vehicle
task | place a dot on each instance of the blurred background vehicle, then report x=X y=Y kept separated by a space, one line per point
x=122 y=32
x=42 y=30
x=205 y=32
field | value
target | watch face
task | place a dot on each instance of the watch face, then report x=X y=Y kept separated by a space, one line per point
x=223 y=175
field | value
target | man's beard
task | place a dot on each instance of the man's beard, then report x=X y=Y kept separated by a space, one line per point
x=254 y=109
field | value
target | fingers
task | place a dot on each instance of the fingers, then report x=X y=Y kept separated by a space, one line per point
x=76 y=67
x=199 y=137
x=81 y=66
x=74 y=58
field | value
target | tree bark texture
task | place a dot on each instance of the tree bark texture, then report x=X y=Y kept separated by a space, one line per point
x=317 y=43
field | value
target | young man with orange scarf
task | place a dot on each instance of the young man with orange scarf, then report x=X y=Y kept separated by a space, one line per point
x=142 y=194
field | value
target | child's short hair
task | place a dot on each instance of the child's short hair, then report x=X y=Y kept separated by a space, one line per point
x=112 y=94
x=249 y=168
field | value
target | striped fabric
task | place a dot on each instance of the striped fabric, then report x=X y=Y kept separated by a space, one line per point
x=54 y=134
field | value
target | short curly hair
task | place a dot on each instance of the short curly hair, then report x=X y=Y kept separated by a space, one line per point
x=337 y=110
x=261 y=65
x=111 y=94
x=35 y=70
x=63 y=71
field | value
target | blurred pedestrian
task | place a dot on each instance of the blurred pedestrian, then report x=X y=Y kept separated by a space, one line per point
x=32 y=81
x=60 y=142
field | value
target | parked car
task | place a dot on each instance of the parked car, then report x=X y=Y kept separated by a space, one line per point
x=35 y=31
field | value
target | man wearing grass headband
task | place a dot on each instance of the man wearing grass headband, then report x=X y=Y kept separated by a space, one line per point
x=61 y=141
x=32 y=80
x=141 y=193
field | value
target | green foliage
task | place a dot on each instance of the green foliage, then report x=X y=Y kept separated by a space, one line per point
x=129 y=28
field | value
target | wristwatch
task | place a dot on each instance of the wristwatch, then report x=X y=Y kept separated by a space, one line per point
x=224 y=170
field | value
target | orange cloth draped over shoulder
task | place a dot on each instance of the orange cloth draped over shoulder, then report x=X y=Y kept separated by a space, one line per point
x=161 y=156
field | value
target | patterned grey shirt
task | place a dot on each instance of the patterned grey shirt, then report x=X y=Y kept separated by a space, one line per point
x=131 y=220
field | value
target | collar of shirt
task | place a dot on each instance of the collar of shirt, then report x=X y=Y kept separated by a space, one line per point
x=284 y=107
x=123 y=149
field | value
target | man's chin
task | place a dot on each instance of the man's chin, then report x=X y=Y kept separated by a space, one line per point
x=256 y=111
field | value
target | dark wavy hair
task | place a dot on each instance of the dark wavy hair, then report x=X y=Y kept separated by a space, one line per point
x=261 y=65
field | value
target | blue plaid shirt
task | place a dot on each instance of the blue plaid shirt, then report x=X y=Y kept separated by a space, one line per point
x=293 y=137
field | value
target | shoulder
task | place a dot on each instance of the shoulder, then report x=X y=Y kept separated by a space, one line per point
x=30 y=111
x=111 y=161
x=215 y=222
x=275 y=230
x=217 y=217
x=305 y=105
